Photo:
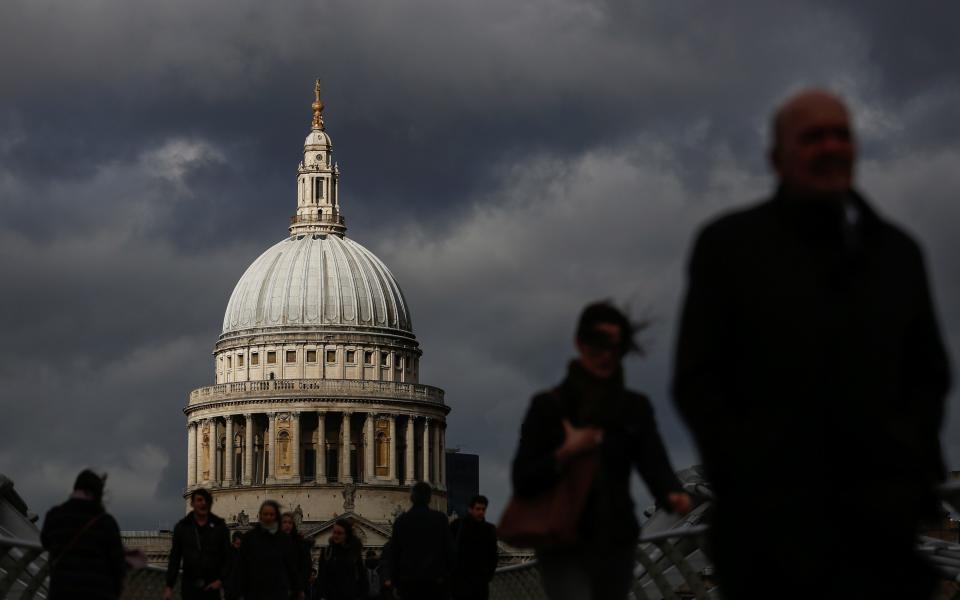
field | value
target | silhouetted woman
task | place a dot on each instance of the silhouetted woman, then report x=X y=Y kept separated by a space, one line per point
x=269 y=560
x=342 y=573
x=592 y=411
x=302 y=548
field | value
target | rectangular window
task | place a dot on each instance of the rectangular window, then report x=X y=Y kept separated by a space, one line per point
x=311 y=356
x=351 y=356
x=384 y=359
x=271 y=358
x=254 y=359
x=291 y=356
x=229 y=362
x=239 y=360
x=368 y=357
x=331 y=356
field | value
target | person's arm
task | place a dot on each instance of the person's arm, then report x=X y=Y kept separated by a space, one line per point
x=173 y=563
x=115 y=553
x=536 y=467
x=703 y=344
x=927 y=377
x=492 y=552
x=449 y=552
x=651 y=459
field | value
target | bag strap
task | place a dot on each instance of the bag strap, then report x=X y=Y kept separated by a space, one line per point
x=76 y=537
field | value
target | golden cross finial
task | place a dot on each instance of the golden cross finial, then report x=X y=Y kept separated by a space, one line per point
x=317 y=108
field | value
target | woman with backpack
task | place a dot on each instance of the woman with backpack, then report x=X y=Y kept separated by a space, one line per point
x=343 y=575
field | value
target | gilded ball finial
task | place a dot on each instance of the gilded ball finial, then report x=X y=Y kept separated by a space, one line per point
x=317 y=108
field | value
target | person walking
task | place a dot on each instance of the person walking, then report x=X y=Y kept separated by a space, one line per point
x=342 y=574
x=269 y=561
x=201 y=543
x=86 y=554
x=231 y=586
x=592 y=411
x=475 y=544
x=421 y=550
x=302 y=546
x=811 y=371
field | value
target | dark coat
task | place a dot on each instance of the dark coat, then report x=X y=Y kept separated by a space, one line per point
x=343 y=575
x=811 y=347
x=203 y=551
x=811 y=372
x=421 y=548
x=88 y=564
x=475 y=544
x=630 y=440
x=269 y=566
x=304 y=549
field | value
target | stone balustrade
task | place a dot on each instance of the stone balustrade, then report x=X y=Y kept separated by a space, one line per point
x=328 y=388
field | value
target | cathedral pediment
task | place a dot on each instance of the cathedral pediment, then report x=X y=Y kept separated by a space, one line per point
x=370 y=534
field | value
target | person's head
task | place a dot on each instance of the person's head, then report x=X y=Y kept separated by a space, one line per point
x=342 y=532
x=201 y=501
x=288 y=523
x=236 y=539
x=604 y=337
x=269 y=513
x=814 y=150
x=421 y=493
x=91 y=485
x=478 y=507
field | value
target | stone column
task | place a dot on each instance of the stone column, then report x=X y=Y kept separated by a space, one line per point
x=248 y=450
x=191 y=454
x=442 y=444
x=345 y=476
x=271 y=435
x=295 y=445
x=408 y=476
x=392 y=450
x=437 y=450
x=321 y=469
x=228 y=453
x=426 y=449
x=369 y=464
x=198 y=451
x=213 y=452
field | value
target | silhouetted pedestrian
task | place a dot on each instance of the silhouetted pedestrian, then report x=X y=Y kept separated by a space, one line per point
x=421 y=550
x=231 y=585
x=811 y=372
x=302 y=546
x=342 y=575
x=269 y=560
x=475 y=544
x=85 y=550
x=201 y=542
x=592 y=411
x=372 y=565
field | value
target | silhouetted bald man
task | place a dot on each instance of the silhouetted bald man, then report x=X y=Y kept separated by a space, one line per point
x=811 y=371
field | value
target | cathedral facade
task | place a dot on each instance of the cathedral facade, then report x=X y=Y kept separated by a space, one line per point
x=317 y=402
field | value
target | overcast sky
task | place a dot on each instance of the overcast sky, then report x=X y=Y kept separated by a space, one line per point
x=509 y=160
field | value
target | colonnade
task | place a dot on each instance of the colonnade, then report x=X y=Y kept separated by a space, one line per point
x=293 y=447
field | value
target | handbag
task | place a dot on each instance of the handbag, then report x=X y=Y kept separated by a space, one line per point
x=551 y=518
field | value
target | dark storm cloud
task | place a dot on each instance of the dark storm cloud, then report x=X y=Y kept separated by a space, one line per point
x=510 y=161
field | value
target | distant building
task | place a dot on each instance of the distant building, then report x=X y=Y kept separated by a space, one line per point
x=317 y=400
x=463 y=480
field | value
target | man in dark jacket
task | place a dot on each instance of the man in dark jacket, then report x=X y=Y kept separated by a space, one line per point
x=592 y=411
x=811 y=372
x=86 y=553
x=421 y=550
x=475 y=544
x=201 y=542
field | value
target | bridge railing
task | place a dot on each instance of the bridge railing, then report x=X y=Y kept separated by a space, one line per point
x=666 y=562
x=24 y=574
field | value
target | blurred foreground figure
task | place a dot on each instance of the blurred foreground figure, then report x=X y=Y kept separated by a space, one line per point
x=591 y=413
x=811 y=371
x=86 y=553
